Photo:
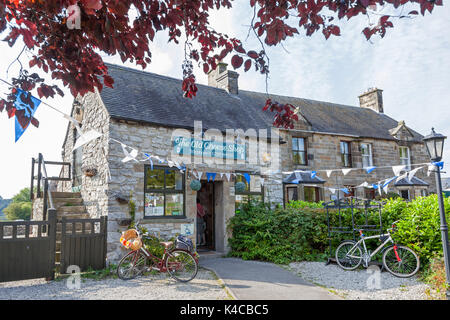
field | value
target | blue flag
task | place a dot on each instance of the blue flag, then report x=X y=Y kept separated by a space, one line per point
x=27 y=108
x=313 y=174
x=210 y=175
x=247 y=177
x=370 y=169
x=345 y=190
x=439 y=164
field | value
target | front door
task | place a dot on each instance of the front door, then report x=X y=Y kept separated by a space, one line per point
x=205 y=197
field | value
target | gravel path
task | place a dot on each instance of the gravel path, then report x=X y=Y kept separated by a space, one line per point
x=205 y=286
x=362 y=284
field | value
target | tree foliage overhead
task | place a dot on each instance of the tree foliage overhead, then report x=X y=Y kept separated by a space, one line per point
x=72 y=56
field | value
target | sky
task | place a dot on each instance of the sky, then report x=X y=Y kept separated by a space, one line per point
x=411 y=64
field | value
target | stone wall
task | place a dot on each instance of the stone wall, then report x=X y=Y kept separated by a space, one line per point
x=326 y=152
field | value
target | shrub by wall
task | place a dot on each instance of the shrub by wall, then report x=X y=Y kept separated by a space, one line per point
x=299 y=232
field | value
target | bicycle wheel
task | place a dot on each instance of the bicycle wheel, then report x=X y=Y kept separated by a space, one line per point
x=132 y=265
x=181 y=265
x=348 y=257
x=403 y=264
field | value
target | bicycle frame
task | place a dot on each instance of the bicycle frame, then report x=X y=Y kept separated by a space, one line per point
x=362 y=240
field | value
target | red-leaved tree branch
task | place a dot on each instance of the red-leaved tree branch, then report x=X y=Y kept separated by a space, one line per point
x=71 y=56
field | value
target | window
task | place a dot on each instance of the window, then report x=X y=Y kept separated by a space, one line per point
x=346 y=156
x=312 y=194
x=299 y=151
x=253 y=191
x=366 y=153
x=164 y=192
x=405 y=157
x=292 y=193
x=404 y=194
x=369 y=193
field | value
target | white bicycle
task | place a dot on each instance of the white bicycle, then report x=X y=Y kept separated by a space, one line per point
x=399 y=260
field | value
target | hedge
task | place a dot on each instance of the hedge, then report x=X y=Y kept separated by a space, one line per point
x=299 y=232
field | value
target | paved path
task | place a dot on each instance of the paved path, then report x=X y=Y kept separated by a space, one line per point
x=252 y=280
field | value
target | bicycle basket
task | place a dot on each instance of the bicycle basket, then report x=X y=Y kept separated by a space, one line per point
x=184 y=243
x=131 y=240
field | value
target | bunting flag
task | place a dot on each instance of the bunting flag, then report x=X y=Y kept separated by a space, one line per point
x=129 y=155
x=329 y=173
x=199 y=175
x=398 y=169
x=26 y=105
x=228 y=175
x=149 y=158
x=364 y=184
x=413 y=172
x=370 y=169
x=387 y=181
x=333 y=190
x=211 y=175
x=346 y=171
x=297 y=175
x=345 y=190
x=379 y=190
x=403 y=176
x=247 y=177
x=439 y=164
x=313 y=174
x=87 y=137
x=385 y=189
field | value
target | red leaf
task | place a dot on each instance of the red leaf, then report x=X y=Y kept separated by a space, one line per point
x=252 y=54
x=35 y=122
x=205 y=68
x=236 y=61
x=247 y=65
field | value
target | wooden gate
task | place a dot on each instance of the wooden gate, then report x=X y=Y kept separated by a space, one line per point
x=27 y=249
x=83 y=243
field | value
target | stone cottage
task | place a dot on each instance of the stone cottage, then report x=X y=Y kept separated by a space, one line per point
x=148 y=112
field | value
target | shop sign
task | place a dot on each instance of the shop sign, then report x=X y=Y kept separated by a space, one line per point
x=205 y=148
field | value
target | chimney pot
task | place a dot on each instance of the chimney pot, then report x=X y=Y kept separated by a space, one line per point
x=224 y=79
x=372 y=99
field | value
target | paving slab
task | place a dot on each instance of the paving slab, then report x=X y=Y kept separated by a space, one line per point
x=254 y=280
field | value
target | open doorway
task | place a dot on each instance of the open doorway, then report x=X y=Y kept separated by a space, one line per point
x=205 y=200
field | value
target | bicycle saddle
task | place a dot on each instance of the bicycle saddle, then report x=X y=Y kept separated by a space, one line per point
x=167 y=244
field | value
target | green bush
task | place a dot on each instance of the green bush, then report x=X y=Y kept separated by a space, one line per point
x=300 y=233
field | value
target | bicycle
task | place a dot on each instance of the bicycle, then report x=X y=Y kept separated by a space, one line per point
x=181 y=264
x=399 y=260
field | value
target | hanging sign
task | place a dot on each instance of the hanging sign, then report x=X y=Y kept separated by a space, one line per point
x=213 y=149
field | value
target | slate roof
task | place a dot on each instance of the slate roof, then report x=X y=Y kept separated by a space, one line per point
x=155 y=99
x=414 y=182
x=302 y=178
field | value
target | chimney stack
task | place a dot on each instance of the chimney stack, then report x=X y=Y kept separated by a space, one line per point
x=372 y=99
x=224 y=79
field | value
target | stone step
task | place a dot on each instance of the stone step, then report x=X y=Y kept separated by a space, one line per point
x=59 y=202
x=71 y=209
x=73 y=215
x=57 y=195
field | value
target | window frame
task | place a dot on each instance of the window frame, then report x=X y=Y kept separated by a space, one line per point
x=164 y=191
x=408 y=156
x=349 y=154
x=370 y=155
x=247 y=193
x=298 y=151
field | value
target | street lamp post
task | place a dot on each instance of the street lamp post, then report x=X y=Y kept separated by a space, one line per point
x=435 y=146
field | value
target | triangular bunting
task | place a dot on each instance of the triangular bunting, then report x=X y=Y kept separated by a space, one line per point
x=412 y=173
x=329 y=173
x=370 y=169
x=398 y=169
x=346 y=171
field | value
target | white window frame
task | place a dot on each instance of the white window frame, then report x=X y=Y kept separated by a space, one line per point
x=407 y=158
x=370 y=156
